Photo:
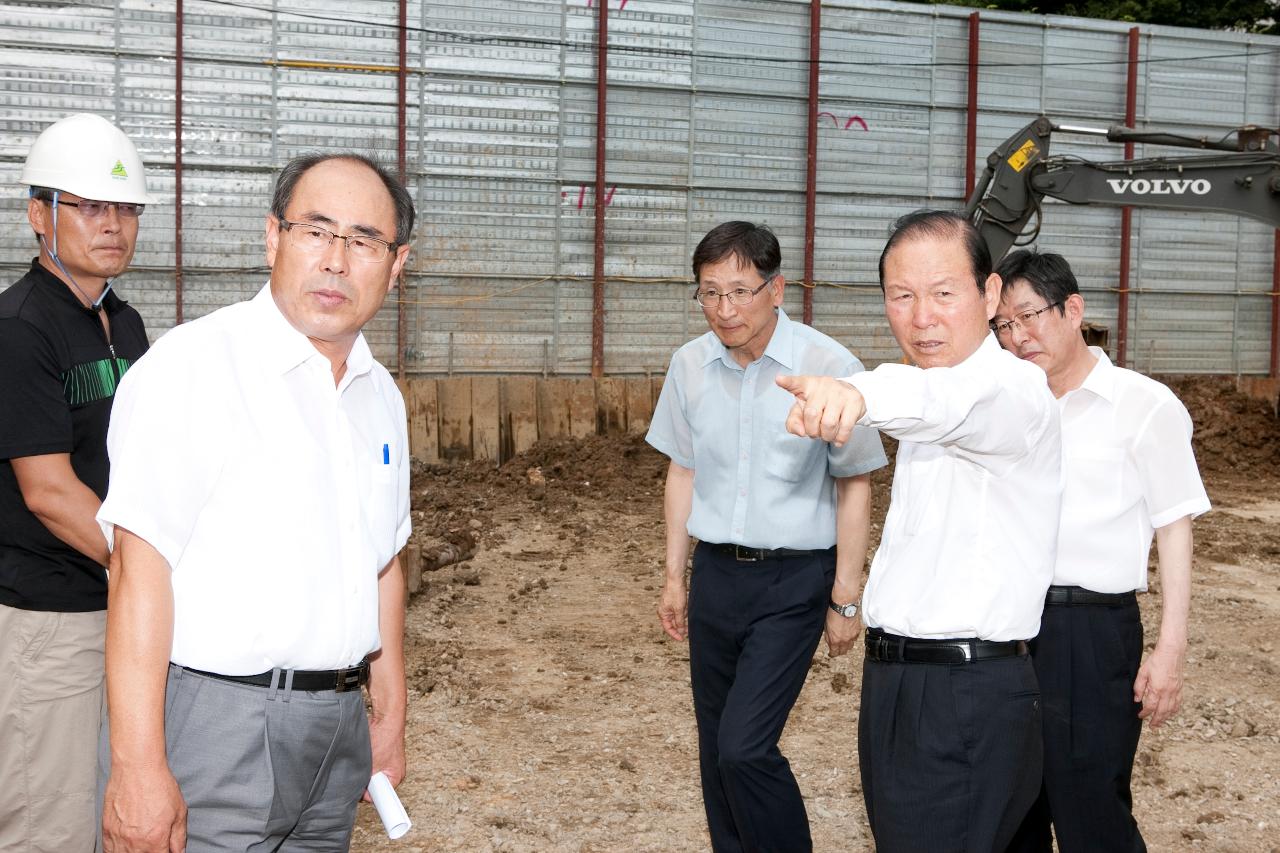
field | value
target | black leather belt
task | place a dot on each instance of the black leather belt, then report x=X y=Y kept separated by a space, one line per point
x=306 y=680
x=753 y=555
x=890 y=648
x=1075 y=596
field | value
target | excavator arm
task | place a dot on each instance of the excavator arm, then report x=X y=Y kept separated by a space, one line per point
x=1243 y=179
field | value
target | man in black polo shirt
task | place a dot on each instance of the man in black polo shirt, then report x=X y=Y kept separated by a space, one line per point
x=65 y=341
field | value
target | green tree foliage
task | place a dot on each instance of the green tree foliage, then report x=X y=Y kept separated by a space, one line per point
x=1257 y=16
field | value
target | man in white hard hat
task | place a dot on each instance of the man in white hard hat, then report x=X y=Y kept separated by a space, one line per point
x=65 y=341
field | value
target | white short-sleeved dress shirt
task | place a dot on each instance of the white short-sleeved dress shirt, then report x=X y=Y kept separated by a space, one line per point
x=276 y=497
x=754 y=483
x=1130 y=468
x=968 y=542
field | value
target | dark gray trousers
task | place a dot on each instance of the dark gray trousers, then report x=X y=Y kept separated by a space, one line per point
x=1087 y=659
x=263 y=769
x=950 y=754
x=753 y=628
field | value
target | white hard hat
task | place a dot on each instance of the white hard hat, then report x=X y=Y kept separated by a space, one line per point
x=87 y=155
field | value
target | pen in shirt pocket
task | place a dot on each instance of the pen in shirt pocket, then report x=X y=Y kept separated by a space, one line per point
x=386 y=454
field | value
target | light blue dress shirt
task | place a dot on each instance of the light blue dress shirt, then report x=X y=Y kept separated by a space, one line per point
x=754 y=483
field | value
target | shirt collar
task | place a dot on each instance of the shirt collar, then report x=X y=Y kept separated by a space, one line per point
x=989 y=348
x=286 y=347
x=61 y=290
x=781 y=346
x=1102 y=378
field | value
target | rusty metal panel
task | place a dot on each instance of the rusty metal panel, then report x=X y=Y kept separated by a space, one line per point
x=457 y=318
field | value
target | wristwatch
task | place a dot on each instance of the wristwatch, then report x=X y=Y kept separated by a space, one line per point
x=848 y=611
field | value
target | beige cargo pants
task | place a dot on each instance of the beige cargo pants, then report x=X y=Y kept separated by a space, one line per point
x=51 y=703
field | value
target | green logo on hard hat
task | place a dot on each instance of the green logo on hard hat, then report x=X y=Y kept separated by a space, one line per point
x=119 y=172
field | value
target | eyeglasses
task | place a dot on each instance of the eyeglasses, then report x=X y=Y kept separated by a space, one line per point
x=313 y=238
x=91 y=209
x=1024 y=320
x=740 y=296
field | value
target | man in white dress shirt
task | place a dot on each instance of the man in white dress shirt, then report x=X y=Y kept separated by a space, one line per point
x=949 y=728
x=258 y=498
x=1130 y=472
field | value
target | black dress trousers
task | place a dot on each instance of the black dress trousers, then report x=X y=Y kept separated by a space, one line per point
x=753 y=629
x=950 y=753
x=1087 y=659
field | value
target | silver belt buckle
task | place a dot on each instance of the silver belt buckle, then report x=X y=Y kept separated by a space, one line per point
x=740 y=556
x=347 y=679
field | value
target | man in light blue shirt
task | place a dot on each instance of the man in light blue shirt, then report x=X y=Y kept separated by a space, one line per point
x=782 y=526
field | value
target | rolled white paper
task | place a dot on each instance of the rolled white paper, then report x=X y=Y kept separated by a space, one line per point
x=389 y=807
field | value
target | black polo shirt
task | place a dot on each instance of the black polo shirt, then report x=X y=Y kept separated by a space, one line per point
x=58 y=377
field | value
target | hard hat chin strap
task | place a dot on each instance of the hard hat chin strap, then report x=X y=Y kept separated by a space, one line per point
x=94 y=304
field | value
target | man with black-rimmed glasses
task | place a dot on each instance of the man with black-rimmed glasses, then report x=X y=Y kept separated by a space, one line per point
x=259 y=496
x=781 y=524
x=1131 y=475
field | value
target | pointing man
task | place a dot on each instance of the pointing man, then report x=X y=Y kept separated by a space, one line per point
x=66 y=338
x=949 y=729
x=1130 y=471
x=259 y=495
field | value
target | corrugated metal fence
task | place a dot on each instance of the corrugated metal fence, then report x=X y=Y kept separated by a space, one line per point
x=707 y=120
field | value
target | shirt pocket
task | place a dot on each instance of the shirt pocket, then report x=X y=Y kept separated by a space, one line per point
x=789 y=457
x=1093 y=473
x=381 y=517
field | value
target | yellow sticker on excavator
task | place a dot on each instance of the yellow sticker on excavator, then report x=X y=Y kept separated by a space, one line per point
x=1024 y=155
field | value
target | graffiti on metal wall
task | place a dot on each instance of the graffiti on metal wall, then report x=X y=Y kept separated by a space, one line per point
x=582 y=195
x=850 y=122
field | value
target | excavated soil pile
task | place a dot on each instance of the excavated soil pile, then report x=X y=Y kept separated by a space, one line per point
x=1235 y=435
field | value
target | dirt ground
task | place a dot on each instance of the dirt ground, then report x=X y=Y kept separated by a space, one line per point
x=547 y=711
